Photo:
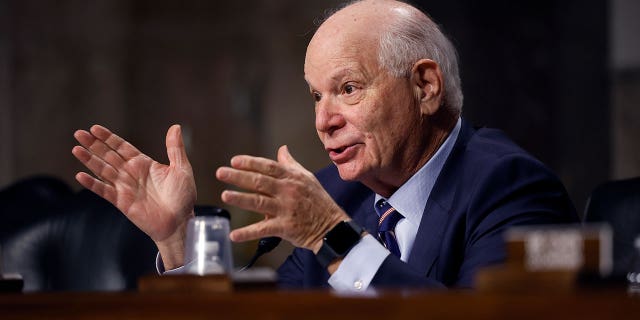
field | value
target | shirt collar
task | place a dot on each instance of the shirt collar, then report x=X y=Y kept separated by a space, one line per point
x=411 y=198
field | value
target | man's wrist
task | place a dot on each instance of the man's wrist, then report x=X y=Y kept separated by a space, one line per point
x=172 y=249
x=334 y=265
x=338 y=241
x=172 y=255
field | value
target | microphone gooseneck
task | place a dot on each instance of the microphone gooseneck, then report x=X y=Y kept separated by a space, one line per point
x=264 y=245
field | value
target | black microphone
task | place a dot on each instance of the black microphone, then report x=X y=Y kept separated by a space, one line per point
x=264 y=245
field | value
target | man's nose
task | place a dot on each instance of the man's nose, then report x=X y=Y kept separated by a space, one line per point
x=328 y=117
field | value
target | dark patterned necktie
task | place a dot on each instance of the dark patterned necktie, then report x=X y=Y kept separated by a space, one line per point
x=389 y=217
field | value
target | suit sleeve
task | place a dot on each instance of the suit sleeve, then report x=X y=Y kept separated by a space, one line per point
x=290 y=273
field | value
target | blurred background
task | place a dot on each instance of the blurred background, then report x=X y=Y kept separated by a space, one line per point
x=562 y=78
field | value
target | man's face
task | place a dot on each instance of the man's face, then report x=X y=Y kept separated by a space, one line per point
x=368 y=120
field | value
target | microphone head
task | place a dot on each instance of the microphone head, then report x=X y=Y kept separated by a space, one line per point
x=267 y=244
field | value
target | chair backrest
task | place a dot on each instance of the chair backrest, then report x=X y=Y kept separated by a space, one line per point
x=29 y=200
x=76 y=242
x=618 y=204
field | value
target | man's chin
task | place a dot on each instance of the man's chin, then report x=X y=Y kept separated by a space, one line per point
x=348 y=172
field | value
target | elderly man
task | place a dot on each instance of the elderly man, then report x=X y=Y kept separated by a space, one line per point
x=416 y=196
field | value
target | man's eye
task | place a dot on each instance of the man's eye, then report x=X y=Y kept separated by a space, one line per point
x=349 y=89
x=316 y=96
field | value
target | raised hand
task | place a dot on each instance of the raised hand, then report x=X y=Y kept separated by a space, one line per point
x=157 y=198
x=295 y=206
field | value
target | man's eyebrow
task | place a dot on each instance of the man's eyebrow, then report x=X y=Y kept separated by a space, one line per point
x=336 y=76
x=311 y=89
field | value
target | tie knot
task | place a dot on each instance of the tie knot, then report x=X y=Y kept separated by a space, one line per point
x=388 y=216
x=382 y=203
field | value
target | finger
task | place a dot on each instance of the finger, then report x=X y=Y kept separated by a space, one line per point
x=250 y=201
x=175 y=148
x=98 y=166
x=256 y=164
x=85 y=138
x=98 y=187
x=248 y=180
x=253 y=231
x=285 y=157
x=99 y=148
x=119 y=145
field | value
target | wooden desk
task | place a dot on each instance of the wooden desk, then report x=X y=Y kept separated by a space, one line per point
x=319 y=305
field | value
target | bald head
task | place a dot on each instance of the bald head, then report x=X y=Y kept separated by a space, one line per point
x=368 y=16
x=360 y=23
x=398 y=35
x=380 y=9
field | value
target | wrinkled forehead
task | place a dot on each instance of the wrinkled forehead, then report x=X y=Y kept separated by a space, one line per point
x=341 y=42
x=332 y=58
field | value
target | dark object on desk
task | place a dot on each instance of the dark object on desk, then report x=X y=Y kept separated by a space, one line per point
x=618 y=204
x=595 y=281
x=10 y=283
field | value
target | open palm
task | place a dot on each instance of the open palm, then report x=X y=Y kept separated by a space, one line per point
x=157 y=198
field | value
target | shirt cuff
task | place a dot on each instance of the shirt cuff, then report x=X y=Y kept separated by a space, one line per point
x=160 y=267
x=359 y=266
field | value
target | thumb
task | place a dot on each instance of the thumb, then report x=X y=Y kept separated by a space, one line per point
x=175 y=147
x=285 y=157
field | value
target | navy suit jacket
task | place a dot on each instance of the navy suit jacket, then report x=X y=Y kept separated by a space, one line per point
x=487 y=185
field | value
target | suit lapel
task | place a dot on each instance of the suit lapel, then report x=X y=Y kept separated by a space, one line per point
x=366 y=216
x=436 y=214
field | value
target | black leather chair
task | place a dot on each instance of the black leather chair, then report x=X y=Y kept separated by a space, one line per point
x=618 y=204
x=60 y=241
x=30 y=200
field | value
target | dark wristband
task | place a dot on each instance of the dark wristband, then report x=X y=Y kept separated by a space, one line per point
x=338 y=242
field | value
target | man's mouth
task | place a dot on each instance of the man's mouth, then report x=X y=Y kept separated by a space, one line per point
x=338 y=150
x=342 y=154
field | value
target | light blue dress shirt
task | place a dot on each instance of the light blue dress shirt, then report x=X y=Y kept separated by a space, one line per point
x=360 y=265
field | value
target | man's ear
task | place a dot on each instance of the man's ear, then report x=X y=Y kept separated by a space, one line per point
x=427 y=81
